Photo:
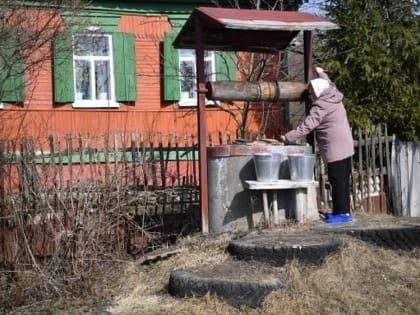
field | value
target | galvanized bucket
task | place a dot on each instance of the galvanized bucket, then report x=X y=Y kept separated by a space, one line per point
x=267 y=166
x=301 y=167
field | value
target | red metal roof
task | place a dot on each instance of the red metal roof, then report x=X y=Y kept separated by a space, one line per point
x=247 y=29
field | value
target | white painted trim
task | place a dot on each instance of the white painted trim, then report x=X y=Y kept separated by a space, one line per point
x=95 y=104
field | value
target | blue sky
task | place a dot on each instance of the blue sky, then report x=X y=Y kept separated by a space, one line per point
x=313 y=6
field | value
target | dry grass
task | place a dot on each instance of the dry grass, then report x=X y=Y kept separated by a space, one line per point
x=362 y=279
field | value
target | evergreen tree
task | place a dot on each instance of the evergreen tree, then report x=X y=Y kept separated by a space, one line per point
x=374 y=58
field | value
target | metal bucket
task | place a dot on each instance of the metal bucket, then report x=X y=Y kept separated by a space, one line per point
x=267 y=166
x=301 y=167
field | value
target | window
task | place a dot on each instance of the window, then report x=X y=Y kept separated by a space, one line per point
x=179 y=71
x=188 y=72
x=94 y=70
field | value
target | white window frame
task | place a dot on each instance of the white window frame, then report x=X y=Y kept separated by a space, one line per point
x=96 y=103
x=192 y=101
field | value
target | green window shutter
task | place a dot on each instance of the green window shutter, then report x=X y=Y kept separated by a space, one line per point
x=124 y=67
x=12 y=73
x=63 y=69
x=170 y=69
x=225 y=66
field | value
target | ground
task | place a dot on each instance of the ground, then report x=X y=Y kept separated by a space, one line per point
x=362 y=278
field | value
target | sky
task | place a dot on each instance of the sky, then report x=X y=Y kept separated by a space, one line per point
x=313 y=6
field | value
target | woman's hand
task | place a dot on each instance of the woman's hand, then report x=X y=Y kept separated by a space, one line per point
x=283 y=139
x=319 y=70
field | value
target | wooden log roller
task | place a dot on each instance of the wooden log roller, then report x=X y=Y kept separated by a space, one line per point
x=256 y=91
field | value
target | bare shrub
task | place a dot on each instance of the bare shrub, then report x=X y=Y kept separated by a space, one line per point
x=62 y=222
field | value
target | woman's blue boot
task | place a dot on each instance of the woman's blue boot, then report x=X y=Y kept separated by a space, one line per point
x=339 y=218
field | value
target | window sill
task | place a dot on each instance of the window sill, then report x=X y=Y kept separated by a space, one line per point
x=96 y=104
x=193 y=103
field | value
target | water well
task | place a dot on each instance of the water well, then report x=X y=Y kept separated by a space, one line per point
x=231 y=206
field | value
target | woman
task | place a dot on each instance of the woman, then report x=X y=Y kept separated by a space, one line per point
x=328 y=118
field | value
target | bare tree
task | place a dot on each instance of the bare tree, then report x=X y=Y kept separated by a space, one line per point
x=258 y=67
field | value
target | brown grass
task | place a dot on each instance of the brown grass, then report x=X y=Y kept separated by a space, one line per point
x=361 y=279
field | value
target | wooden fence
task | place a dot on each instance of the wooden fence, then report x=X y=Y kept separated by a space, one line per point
x=64 y=167
x=371 y=173
x=131 y=191
x=142 y=185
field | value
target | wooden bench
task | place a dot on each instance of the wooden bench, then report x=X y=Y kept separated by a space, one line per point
x=303 y=200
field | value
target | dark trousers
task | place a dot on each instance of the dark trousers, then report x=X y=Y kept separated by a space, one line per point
x=339 y=178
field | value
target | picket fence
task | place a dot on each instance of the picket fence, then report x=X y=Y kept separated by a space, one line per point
x=131 y=191
x=140 y=187
x=371 y=173
x=60 y=168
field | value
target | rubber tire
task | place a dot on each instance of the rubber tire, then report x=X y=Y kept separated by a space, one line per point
x=183 y=283
x=404 y=238
x=277 y=250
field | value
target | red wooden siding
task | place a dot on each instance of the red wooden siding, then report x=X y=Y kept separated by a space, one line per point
x=39 y=117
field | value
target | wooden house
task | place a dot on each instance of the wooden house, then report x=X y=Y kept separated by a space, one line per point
x=112 y=68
